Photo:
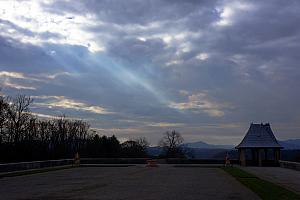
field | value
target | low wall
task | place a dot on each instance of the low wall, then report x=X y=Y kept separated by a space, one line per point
x=113 y=160
x=290 y=165
x=198 y=161
x=10 y=167
x=144 y=161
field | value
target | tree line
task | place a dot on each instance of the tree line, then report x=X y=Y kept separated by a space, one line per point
x=25 y=137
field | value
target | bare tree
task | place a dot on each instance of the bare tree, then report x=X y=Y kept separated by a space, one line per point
x=18 y=114
x=135 y=148
x=24 y=137
x=170 y=143
x=3 y=115
x=142 y=142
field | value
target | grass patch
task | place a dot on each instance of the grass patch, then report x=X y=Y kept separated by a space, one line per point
x=33 y=171
x=264 y=189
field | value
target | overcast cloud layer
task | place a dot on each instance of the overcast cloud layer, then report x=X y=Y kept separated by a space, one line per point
x=138 y=68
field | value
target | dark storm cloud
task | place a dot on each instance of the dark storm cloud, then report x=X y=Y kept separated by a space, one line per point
x=197 y=66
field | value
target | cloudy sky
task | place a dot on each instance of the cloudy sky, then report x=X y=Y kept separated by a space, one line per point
x=138 y=68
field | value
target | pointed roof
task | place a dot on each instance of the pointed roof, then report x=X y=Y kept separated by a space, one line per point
x=259 y=135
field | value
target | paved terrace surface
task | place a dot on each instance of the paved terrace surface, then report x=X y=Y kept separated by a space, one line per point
x=285 y=177
x=116 y=183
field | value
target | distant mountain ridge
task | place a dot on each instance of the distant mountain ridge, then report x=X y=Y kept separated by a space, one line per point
x=286 y=144
x=290 y=144
x=204 y=145
x=205 y=150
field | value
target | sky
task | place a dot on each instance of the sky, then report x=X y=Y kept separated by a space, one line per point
x=206 y=69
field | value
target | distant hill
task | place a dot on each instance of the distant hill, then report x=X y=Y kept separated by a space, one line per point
x=287 y=144
x=290 y=144
x=204 y=150
x=203 y=145
x=154 y=151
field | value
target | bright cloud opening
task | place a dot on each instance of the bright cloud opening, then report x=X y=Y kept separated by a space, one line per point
x=67 y=103
x=200 y=102
x=26 y=21
x=202 y=56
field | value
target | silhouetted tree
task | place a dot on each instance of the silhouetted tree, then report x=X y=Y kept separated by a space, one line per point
x=3 y=115
x=24 y=137
x=135 y=148
x=171 y=144
x=102 y=147
x=18 y=114
x=143 y=142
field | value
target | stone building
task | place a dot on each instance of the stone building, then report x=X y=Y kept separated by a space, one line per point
x=259 y=146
